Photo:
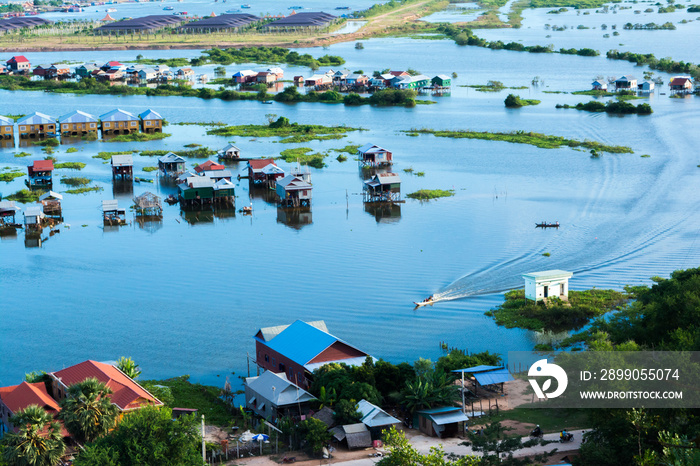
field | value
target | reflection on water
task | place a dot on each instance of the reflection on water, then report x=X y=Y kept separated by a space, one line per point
x=122 y=187
x=263 y=192
x=294 y=217
x=384 y=212
x=149 y=223
x=7 y=143
x=33 y=239
x=206 y=215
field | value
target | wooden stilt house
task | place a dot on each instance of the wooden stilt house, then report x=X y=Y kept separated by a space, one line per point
x=230 y=152
x=51 y=201
x=40 y=174
x=293 y=192
x=371 y=155
x=151 y=122
x=112 y=214
x=148 y=205
x=36 y=125
x=77 y=123
x=171 y=165
x=119 y=121
x=383 y=187
x=256 y=175
x=122 y=167
x=8 y=211
x=34 y=218
x=7 y=128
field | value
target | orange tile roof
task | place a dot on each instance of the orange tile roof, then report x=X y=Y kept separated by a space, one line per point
x=208 y=166
x=257 y=164
x=127 y=393
x=18 y=397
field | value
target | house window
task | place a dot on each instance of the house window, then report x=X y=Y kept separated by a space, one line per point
x=133 y=123
x=273 y=362
x=92 y=125
x=107 y=125
x=300 y=378
x=281 y=367
x=267 y=358
x=148 y=123
x=23 y=128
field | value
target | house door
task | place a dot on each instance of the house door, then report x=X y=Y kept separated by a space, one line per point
x=546 y=291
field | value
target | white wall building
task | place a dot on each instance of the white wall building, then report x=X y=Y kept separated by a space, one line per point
x=547 y=284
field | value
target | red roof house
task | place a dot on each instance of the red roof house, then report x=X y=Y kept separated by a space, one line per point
x=399 y=73
x=681 y=83
x=18 y=63
x=40 y=166
x=15 y=398
x=208 y=166
x=127 y=395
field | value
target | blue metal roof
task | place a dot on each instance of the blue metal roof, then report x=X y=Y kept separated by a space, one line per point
x=301 y=342
x=442 y=409
x=491 y=377
x=475 y=369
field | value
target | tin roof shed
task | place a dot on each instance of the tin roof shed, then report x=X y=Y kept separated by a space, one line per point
x=77 y=116
x=118 y=115
x=36 y=118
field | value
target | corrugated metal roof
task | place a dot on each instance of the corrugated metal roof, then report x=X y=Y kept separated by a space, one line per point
x=109 y=205
x=122 y=160
x=42 y=165
x=291 y=182
x=244 y=73
x=51 y=195
x=357 y=436
x=7 y=206
x=6 y=121
x=301 y=342
x=548 y=275
x=374 y=416
x=370 y=148
x=355 y=428
x=36 y=118
x=118 y=115
x=448 y=417
x=171 y=158
x=492 y=377
x=268 y=333
x=34 y=211
x=338 y=433
x=77 y=116
x=150 y=114
x=475 y=369
x=387 y=178
x=278 y=389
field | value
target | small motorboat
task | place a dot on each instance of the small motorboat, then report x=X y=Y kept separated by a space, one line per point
x=168 y=8
x=247 y=210
x=427 y=301
x=547 y=225
x=267 y=101
x=246 y=6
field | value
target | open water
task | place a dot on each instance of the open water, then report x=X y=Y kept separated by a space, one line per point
x=185 y=296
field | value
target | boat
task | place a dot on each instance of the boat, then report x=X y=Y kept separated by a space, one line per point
x=111 y=10
x=342 y=8
x=246 y=6
x=547 y=225
x=429 y=300
x=296 y=7
x=168 y=8
x=267 y=101
x=246 y=210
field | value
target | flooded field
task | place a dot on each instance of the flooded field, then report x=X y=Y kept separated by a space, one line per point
x=186 y=295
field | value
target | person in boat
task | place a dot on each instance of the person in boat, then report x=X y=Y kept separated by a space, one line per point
x=428 y=299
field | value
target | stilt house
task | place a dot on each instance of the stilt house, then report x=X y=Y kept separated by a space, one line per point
x=77 y=123
x=51 y=202
x=383 y=187
x=171 y=165
x=7 y=128
x=34 y=217
x=151 y=122
x=293 y=192
x=119 y=121
x=40 y=174
x=36 y=125
x=122 y=166
x=112 y=214
x=148 y=205
x=371 y=155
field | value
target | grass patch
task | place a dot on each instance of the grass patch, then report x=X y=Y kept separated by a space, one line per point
x=192 y=145
x=595 y=92
x=70 y=165
x=546 y=254
x=204 y=398
x=349 y=149
x=304 y=156
x=21 y=154
x=342 y=158
x=25 y=196
x=514 y=101
x=199 y=153
x=150 y=169
x=556 y=315
x=549 y=419
x=491 y=86
x=139 y=137
x=108 y=155
x=71 y=150
x=612 y=106
x=75 y=181
x=49 y=142
x=554 y=92
x=299 y=138
x=427 y=194
x=540 y=140
x=9 y=176
x=292 y=132
x=84 y=190
x=645 y=156
x=201 y=123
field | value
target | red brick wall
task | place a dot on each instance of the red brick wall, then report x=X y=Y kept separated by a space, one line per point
x=337 y=351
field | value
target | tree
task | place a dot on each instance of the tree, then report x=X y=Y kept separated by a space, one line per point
x=128 y=367
x=345 y=412
x=513 y=101
x=315 y=433
x=498 y=447
x=147 y=436
x=88 y=412
x=38 y=441
x=282 y=122
x=433 y=388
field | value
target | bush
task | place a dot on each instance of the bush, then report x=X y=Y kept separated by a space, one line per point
x=513 y=101
x=282 y=122
x=353 y=99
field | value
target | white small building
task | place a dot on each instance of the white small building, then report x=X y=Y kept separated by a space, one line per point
x=646 y=87
x=547 y=284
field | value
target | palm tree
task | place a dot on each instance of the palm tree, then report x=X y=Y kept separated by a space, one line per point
x=128 y=367
x=87 y=412
x=38 y=441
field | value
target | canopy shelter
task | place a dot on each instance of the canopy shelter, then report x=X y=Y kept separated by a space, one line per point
x=485 y=375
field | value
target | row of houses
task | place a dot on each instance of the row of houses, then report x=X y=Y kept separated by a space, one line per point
x=630 y=83
x=127 y=395
x=268 y=76
x=345 y=79
x=78 y=123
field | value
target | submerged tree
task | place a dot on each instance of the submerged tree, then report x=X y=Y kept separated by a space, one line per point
x=38 y=441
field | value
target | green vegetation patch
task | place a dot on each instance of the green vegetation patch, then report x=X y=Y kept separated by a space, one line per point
x=303 y=155
x=71 y=150
x=204 y=398
x=84 y=190
x=514 y=101
x=11 y=175
x=522 y=137
x=595 y=92
x=139 y=137
x=70 y=165
x=293 y=132
x=150 y=169
x=550 y=420
x=49 y=142
x=108 y=155
x=611 y=107
x=201 y=123
x=427 y=194
x=75 y=181
x=21 y=154
x=264 y=55
x=555 y=314
x=349 y=149
x=25 y=196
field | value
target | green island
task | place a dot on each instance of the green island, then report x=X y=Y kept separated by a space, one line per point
x=22 y=154
x=108 y=155
x=84 y=190
x=10 y=175
x=427 y=194
x=263 y=55
x=514 y=101
x=198 y=153
x=138 y=137
x=70 y=165
x=76 y=181
x=25 y=196
x=555 y=314
x=611 y=106
x=291 y=132
x=523 y=137
x=491 y=86
x=150 y=169
x=304 y=156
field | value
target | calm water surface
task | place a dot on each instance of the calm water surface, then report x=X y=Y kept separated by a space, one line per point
x=185 y=295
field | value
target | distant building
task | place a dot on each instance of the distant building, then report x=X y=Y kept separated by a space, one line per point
x=122 y=166
x=549 y=283
x=77 y=123
x=681 y=84
x=355 y=435
x=255 y=170
x=34 y=217
x=441 y=80
x=16 y=398
x=298 y=349
x=18 y=63
x=230 y=152
x=272 y=395
x=244 y=76
x=112 y=214
x=7 y=128
x=646 y=87
x=51 y=202
x=36 y=125
x=383 y=187
x=626 y=83
x=293 y=192
x=372 y=155
x=171 y=165
x=375 y=418
x=599 y=86
x=119 y=121
x=40 y=174
x=440 y=422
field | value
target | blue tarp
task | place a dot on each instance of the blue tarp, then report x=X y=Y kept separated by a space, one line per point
x=492 y=377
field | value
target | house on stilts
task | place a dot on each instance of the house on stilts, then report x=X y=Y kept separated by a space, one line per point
x=382 y=187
